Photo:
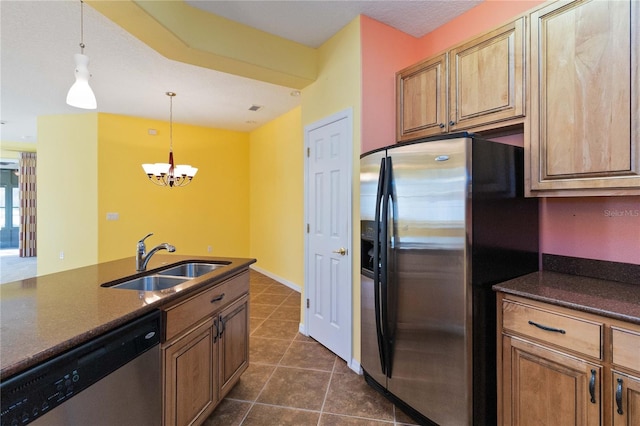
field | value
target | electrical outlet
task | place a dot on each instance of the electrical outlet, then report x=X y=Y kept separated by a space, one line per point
x=61 y=255
x=113 y=216
x=209 y=249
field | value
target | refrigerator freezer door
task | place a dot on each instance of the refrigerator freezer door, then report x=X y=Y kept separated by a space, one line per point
x=430 y=358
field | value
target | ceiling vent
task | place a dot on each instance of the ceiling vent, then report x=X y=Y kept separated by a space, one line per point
x=255 y=107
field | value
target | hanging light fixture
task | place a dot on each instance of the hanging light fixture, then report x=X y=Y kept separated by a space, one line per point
x=168 y=174
x=80 y=94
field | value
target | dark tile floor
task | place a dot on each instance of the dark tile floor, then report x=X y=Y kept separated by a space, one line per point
x=294 y=380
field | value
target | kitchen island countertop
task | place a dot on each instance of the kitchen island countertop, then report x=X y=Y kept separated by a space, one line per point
x=602 y=297
x=43 y=316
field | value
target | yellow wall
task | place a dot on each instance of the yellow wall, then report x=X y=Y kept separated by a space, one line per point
x=337 y=88
x=277 y=197
x=90 y=164
x=67 y=191
x=211 y=211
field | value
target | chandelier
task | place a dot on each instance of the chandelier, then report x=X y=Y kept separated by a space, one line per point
x=168 y=174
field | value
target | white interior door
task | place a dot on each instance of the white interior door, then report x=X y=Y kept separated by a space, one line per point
x=328 y=285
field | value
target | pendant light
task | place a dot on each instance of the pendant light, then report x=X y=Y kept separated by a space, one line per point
x=168 y=174
x=80 y=94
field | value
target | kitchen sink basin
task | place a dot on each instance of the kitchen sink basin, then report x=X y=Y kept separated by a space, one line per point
x=168 y=278
x=191 y=270
x=150 y=283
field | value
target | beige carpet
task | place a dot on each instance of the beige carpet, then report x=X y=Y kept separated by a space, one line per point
x=14 y=268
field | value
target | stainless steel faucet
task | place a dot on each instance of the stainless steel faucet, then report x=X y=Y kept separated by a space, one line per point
x=142 y=258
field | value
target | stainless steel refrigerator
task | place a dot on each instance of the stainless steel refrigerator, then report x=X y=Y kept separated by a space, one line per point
x=442 y=219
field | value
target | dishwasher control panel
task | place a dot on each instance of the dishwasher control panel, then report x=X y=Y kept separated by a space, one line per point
x=36 y=391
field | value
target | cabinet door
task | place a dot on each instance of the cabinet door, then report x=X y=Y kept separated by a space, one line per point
x=421 y=92
x=546 y=387
x=486 y=78
x=584 y=131
x=234 y=343
x=626 y=391
x=190 y=376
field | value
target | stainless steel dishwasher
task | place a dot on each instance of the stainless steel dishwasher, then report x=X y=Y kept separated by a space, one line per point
x=114 y=379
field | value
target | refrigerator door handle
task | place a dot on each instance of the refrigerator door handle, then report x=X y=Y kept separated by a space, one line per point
x=384 y=276
x=377 y=262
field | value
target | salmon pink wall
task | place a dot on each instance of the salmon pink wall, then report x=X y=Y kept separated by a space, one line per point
x=489 y=14
x=604 y=228
x=385 y=50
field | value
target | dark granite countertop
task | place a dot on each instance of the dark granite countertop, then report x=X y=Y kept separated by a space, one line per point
x=602 y=297
x=43 y=316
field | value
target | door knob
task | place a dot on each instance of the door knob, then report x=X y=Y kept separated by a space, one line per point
x=341 y=251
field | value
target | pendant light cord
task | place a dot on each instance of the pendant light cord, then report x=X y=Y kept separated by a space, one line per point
x=81 y=27
x=171 y=95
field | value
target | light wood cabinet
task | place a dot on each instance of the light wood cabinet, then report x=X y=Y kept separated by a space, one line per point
x=625 y=384
x=486 y=78
x=584 y=129
x=206 y=349
x=548 y=387
x=234 y=343
x=626 y=389
x=475 y=84
x=564 y=367
x=191 y=376
x=421 y=92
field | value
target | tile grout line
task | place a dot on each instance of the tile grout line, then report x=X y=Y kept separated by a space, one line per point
x=276 y=366
x=326 y=393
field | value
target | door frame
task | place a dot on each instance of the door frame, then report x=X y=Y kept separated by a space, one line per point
x=348 y=115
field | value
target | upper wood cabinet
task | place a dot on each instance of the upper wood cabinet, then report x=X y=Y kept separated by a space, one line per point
x=584 y=122
x=421 y=92
x=475 y=84
x=486 y=78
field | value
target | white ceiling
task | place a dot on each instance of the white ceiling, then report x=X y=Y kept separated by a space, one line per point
x=39 y=38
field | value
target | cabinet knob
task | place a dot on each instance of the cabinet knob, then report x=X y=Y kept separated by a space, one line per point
x=452 y=123
x=442 y=125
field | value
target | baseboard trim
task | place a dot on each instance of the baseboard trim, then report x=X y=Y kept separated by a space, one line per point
x=281 y=280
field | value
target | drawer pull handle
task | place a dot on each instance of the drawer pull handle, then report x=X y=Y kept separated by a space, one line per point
x=592 y=386
x=544 y=327
x=619 y=397
x=217 y=298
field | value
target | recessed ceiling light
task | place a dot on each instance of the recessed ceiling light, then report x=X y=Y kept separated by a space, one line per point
x=295 y=93
x=255 y=107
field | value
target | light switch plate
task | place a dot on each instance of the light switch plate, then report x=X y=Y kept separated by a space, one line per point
x=113 y=216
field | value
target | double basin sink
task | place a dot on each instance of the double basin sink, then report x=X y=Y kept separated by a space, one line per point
x=167 y=278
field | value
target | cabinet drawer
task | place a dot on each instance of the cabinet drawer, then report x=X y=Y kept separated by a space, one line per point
x=186 y=313
x=626 y=348
x=567 y=332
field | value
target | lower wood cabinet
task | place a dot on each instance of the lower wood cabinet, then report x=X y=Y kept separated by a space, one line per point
x=234 y=343
x=558 y=366
x=206 y=351
x=191 y=375
x=626 y=389
x=548 y=387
